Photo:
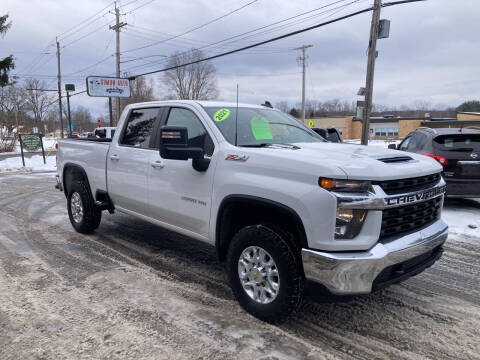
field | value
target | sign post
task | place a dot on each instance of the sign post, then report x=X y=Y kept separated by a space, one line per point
x=31 y=142
x=101 y=86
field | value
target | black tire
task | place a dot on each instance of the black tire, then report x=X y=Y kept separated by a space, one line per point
x=290 y=273
x=92 y=215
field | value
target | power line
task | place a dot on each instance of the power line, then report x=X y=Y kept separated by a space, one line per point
x=88 y=34
x=151 y=32
x=194 y=28
x=90 y=19
x=189 y=46
x=139 y=7
x=259 y=43
x=90 y=66
x=264 y=27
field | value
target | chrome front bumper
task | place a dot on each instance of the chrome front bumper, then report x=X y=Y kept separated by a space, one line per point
x=349 y=273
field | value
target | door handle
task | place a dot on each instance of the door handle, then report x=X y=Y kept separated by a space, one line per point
x=114 y=157
x=157 y=164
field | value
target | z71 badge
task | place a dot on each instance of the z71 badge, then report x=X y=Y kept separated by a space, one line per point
x=419 y=196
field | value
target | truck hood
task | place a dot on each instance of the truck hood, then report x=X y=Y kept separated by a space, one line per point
x=353 y=161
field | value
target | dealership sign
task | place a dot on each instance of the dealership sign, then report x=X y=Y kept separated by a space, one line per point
x=108 y=86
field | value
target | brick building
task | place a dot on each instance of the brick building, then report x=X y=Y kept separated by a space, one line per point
x=389 y=127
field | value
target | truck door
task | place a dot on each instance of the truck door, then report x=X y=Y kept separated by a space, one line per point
x=128 y=160
x=178 y=194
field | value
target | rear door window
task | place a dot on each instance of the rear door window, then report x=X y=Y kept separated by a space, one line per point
x=139 y=127
x=460 y=142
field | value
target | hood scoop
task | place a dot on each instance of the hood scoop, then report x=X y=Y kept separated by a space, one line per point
x=394 y=159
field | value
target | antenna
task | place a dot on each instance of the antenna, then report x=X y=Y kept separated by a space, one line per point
x=236 y=119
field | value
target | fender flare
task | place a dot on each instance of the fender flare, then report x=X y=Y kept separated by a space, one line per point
x=284 y=209
x=69 y=166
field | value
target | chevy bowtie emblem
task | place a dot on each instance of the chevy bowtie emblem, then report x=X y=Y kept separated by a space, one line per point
x=473 y=155
x=233 y=157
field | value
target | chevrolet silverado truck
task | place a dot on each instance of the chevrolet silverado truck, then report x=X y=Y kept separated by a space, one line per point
x=287 y=211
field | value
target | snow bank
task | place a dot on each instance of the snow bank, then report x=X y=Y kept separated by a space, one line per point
x=48 y=144
x=35 y=163
x=462 y=217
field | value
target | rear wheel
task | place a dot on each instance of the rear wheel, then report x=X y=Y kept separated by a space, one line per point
x=84 y=215
x=264 y=273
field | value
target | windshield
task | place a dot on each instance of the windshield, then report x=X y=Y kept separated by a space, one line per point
x=258 y=126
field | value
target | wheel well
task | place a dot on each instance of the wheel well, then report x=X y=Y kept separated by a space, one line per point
x=73 y=173
x=236 y=212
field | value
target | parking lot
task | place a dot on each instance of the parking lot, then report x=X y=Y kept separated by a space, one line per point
x=132 y=290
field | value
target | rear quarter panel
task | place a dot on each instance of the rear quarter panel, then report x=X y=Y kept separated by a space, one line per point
x=89 y=155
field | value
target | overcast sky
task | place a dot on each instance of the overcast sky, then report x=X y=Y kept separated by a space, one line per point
x=432 y=54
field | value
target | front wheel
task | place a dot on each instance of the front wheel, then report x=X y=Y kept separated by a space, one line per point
x=84 y=215
x=264 y=273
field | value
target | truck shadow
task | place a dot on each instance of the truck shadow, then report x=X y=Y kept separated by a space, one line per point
x=187 y=260
x=454 y=203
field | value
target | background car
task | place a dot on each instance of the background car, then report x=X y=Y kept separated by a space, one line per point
x=457 y=150
x=328 y=133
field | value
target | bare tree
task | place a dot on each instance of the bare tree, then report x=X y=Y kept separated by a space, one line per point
x=12 y=100
x=141 y=90
x=195 y=81
x=282 y=106
x=38 y=101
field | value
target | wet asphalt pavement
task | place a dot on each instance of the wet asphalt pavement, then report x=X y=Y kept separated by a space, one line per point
x=133 y=290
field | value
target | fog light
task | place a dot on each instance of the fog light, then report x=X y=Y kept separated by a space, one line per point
x=349 y=223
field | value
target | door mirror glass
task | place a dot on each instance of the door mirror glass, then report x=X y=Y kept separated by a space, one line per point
x=174 y=144
x=392 y=146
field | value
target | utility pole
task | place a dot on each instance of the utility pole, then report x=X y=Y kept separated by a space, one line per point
x=372 y=54
x=117 y=27
x=59 y=87
x=302 y=59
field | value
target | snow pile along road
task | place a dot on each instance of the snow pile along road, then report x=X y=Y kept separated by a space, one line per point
x=34 y=163
x=463 y=218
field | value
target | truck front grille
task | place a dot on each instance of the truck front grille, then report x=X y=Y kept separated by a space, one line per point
x=408 y=218
x=393 y=187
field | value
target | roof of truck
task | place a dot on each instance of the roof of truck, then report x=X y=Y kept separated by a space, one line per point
x=202 y=103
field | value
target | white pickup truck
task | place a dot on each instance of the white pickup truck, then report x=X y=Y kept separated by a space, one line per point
x=285 y=209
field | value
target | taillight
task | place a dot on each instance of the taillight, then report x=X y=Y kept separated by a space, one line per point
x=441 y=159
x=56 y=146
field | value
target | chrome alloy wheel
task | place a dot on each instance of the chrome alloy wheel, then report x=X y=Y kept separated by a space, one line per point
x=258 y=275
x=76 y=207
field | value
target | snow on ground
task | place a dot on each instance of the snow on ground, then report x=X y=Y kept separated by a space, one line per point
x=463 y=218
x=48 y=144
x=35 y=163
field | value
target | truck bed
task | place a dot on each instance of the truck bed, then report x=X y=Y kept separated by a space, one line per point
x=90 y=154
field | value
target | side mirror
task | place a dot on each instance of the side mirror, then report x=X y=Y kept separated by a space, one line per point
x=392 y=146
x=174 y=144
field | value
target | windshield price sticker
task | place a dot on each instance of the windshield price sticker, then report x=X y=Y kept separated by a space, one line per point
x=221 y=115
x=311 y=123
x=260 y=129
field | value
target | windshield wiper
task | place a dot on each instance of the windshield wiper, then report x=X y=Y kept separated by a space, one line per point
x=257 y=145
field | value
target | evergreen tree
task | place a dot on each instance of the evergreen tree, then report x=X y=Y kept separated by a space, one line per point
x=469 y=106
x=7 y=63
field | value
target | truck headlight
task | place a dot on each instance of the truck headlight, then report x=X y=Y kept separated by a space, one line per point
x=349 y=223
x=353 y=186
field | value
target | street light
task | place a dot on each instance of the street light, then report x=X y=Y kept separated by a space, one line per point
x=69 y=87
